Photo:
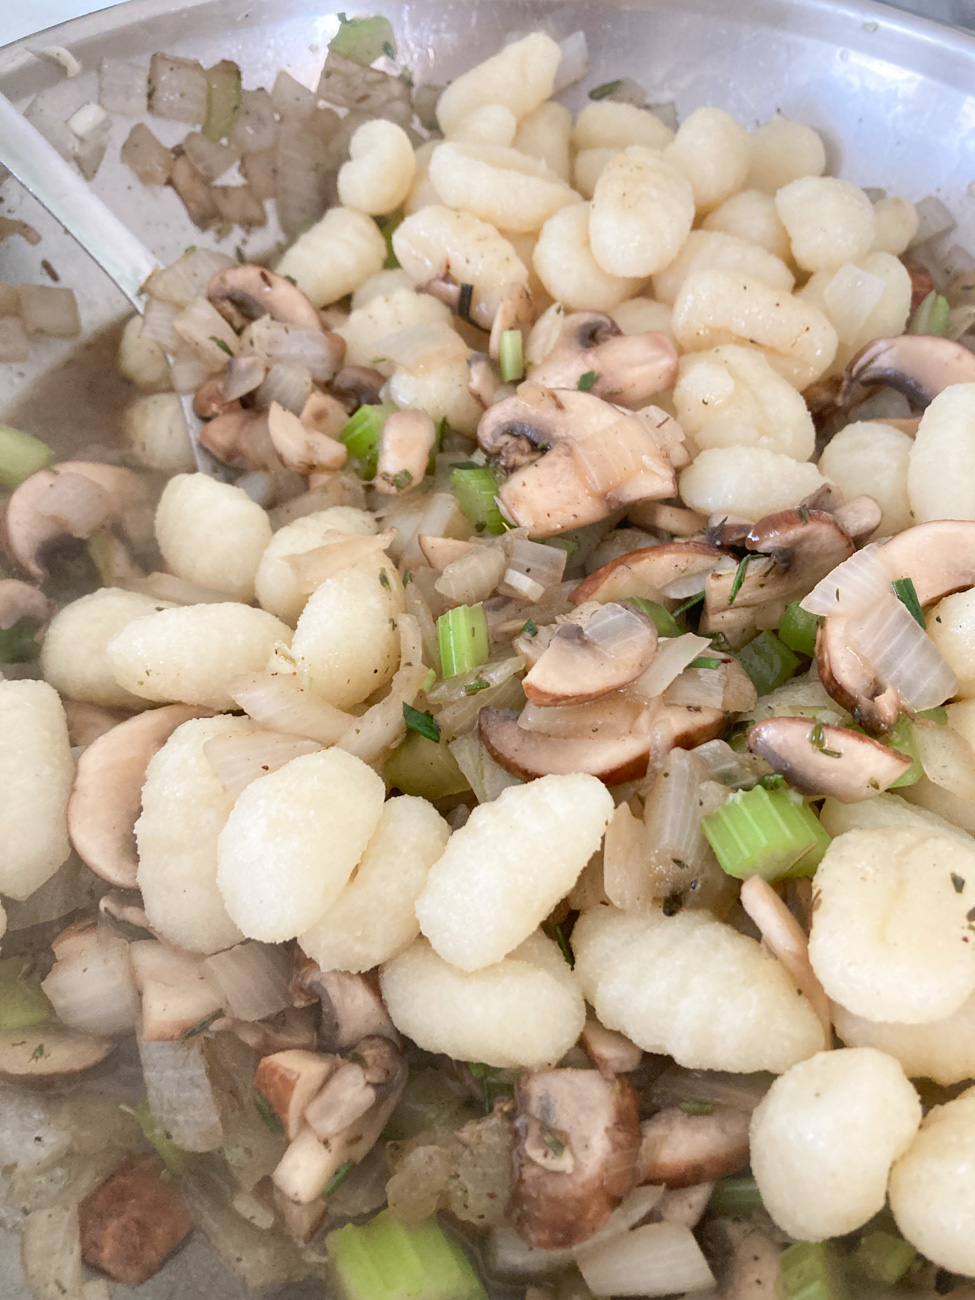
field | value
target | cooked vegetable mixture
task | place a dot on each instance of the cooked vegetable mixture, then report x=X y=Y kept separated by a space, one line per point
x=503 y=824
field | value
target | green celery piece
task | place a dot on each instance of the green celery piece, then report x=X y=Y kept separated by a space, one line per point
x=387 y=1260
x=363 y=40
x=809 y=1271
x=21 y=455
x=902 y=738
x=511 y=362
x=22 y=1001
x=932 y=316
x=462 y=639
x=938 y=715
x=361 y=436
x=475 y=487
x=736 y=1197
x=883 y=1257
x=662 y=619
x=224 y=100
x=766 y=833
x=174 y=1157
x=768 y=662
x=798 y=629
x=425 y=768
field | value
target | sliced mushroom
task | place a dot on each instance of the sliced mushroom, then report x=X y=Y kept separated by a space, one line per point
x=680 y=1150
x=649 y=573
x=407 y=439
x=176 y=996
x=516 y=311
x=684 y=1206
x=787 y=940
x=289 y=1081
x=126 y=905
x=75 y=498
x=611 y=1053
x=293 y=1029
x=819 y=759
x=917 y=365
x=357 y=386
x=20 y=600
x=577 y=1139
x=243 y=293
x=324 y=413
x=610 y=649
x=665 y=517
x=106 y=796
x=351 y=1008
x=852 y=683
x=344 y=1099
x=241 y=439
x=627 y=369
x=133 y=1222
x=859 y=518
x=300 y=448
x=939 y=557
x=484 y=380
x=210 y=400
x=441 y=551
x=86 y=722
x=46 y=1054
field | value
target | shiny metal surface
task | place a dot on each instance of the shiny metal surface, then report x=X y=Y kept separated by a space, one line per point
x=892 y=93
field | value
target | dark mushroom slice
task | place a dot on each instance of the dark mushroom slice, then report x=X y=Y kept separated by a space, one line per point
x=577 y=1135
x=133 y=1222
x=407 y=439
x=294 y=1029
x=357 y=386
x=852 y=683
x=817 y=758
x=680 y=1150
x=210 y=401
x=612 y=647
x=938 y=557
x=627 y=369
x=106 y=796
x=46 y=1054
x=859 y=518
x=241 y=439
x=243 y=293
x=611 y=1053
x=126 y=905
x=351 y=1007
x=290 y=1080
x=918 y=365
x=649 y=572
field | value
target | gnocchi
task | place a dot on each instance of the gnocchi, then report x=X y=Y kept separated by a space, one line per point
x=642 y=211
x=276 y=583
x=747 y=482
x=829 y=221
x=941 y=469
x=713 y=152
x=783 y=151
x=521 y=76
x=212 y=534
x=380 y=170
x=872 y=457
x=500 y=186
x=337 y=255
x=564 y=263
x=705 y=250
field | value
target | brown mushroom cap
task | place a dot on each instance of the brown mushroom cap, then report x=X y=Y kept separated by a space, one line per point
x=629 y=369
x=577 y=1138
x=822 y=759
x=918 y=365
x=19 y=600
x=648 y=573
x=357 y=386
x=133 y=1221
x=241 y=439
x=210 y=400
x=243 y=293
x=612 y=647
x=938 y=557
x=610 y=1052
x=290 y=1080
x=805 y=545
x=407 y=439
x=46 y=1054
x=852 y=683
x=351 y=1008
x=301 y=448
x=681 y=1150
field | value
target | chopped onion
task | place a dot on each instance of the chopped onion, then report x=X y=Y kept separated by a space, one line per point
x=470 y=579
x=123 y=87
x=239 y=760
x=282 y=702
x=287 y=384
x=243 y=375
x=666 y=112
x=151 y=161
x=61 y=58
x=947 y=758
x=47 y=310
x=934 y=219
x=627 y=879
x=957 y=260
x=658 y=1259
x=93 y=127
x=50 y=1252
x=495 y=672
x=850 y=297
x=290 y=97
x=785 y=937
x=741 y=1091
x=186 y=370
x=629 y=715
x=304 y=170
x=257 y=124
x=238 y=205
x=14 y=343
x=157 y=324
x=416 y=604
x=676 y=846
x=92 y=989
x=725 y=765
x=202 y=327
x=181 y=1097
x=530 y=565
x=177 y=89
x=309 y=348
x=210 y=158
x=672 y=657
x=613 y=455
x=900 y=651
x=188 y=276
x=312 y=568
x=251 y=979
x=438 y=515
x=726 y=687
x=422 y=348
x=859 y=581
x=71 y=887
x=575 y=61
x=960 y=321
x=457 y=718
x=383 y=726
x=486 y=778
x=52 y=126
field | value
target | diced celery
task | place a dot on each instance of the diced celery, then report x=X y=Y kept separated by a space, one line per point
x=809 y=1271
x=510 y=358
x=21 y=455
x=798 y=629
x=362 y=434
x=883 y=1257
x=736 y=1197
x=387 y=1260
x=363 y=40
x=567 y=543
x=938 y=715
x=475 y=487
x=662 y=619
x=462 y=638
x=931 y=316
x=768 y=662
x=424 y=767
x=224 y=100
x=174 y=1157
x=22 y=1002
x=901 y=737
x=770 y=833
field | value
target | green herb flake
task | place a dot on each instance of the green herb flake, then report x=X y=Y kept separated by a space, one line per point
x=402 y=480
x=689 y=603
x=587 y=381
x=424 y=723
x=906 y=593
x=267 y=1113
x=530 y=628
x=958 y=882
x=384 y=579
x=605 y=90
x=363 y=40
x=563 y=942
x=696 y=1107
x=772 y=781
x=38 y=1052
x=472 y=688
x=739 y=577
x=702 y=661
x=292 y=280
x=554 y=1145
x=224 y=347
x=202 y=1025
x=818 y=742
x=343 y=1171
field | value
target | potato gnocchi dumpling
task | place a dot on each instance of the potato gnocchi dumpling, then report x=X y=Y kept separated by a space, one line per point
x=942 y=1050
x=521 y=76
x=642 y=211
x=747 y=482
x=338 y=253
x=212 y=534
x=276 y=583
x=941 y=470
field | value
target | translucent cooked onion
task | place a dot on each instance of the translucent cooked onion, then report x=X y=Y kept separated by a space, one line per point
x=470 y=579
x=50 y=1252
x=243 y=375
x=251 y=979
x=672 y=657
x=742 y=1091
x=542 y=565
x=239 y=760
x=92 y=989
x=186 y=370
x=726 y=687
x=187 y=277
x=286 y=383
x=283 y=702
x=627 y=716
x=676 y=847
x=850 y=297
x=725 y=765
x=278 y=341
x=901 y=652
x=933 y=219
x=422 y=348
x=122 y=87
x=204 y=330
x=613 y=455
x=456 y=719
x=383 y=726
x=495 y=672
x=312 y=568
x=658 y=1259
x=785 y=937
x=181 y=1096
x=575 y=61
x=486 y=778
x=627 y=879
x=157 y=323
x=859 y=581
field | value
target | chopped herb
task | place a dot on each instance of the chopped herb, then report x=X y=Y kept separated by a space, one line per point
x=291 y=280
x=267 y=1113
x=672 y=904
x=530 y=628
x=407 y=577
x=343 y=1171
x=201 y=1025
x=563 y=942
x=739 y=577
x=772 y=781
x=190 y=248
x=38 y=1052
x=906 y=593
x=363 y=39
x=390 y=54
x=221 y=345
x=240 y=255
x=702 y=661
x=425 y=723
x=689 y=603
x=958 y=882
x=464 y=300
x=818 y=741
x=605 y=90
x=552 y=1142
x=804 y=514
x=472 y=688
x=384 y=579
x=493 y=1084
x=696 y=1107
x=402 y=480
x=587 y=381
x=663 y=621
